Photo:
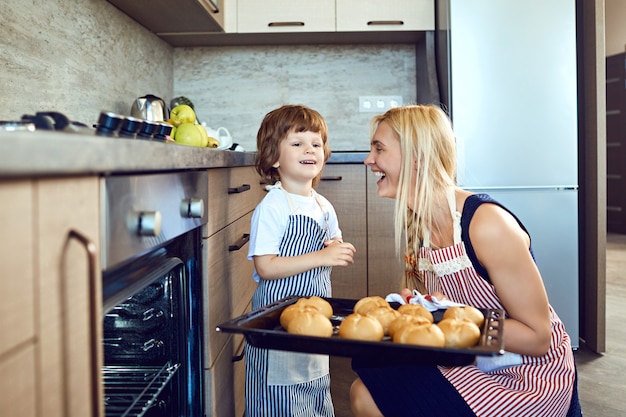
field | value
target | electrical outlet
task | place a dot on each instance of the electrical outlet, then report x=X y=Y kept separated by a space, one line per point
x=378 y=104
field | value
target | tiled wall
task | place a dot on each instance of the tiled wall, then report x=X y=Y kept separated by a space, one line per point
x=235 y=87
x=84 y=56
x=78 y=57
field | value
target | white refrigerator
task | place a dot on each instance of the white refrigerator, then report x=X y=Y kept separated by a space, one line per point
x=513 y=102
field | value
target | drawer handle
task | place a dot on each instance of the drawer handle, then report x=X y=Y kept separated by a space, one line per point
x=244 y=239
x=337 y=178
x=240 y=189
x=284 y=24
x=385 y=22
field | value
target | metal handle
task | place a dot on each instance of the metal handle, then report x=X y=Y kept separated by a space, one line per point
x=91 y=249
x=284 y=24
x=385 y=23
x=239 y=357
x=244 y=239
x=240 y=189
x=337 y=178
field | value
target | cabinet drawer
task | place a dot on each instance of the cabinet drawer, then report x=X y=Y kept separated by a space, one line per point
x=233 y=192
x=226 y=382
x=229 y=281
x=268 y=16
x=391 y=15
x=16 y=265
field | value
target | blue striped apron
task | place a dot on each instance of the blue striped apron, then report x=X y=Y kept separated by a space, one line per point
x=280 y=383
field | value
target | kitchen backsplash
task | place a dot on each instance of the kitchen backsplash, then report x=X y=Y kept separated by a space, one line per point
x=235 y=87
x=77 y=57
x=84 y=56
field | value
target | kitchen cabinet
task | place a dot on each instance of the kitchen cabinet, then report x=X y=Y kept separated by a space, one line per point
x=234 y=193
x=616 y=143
x=366 y=221
x=182 y=16
x=49 y=261
x=271 y=16
x=371 y=15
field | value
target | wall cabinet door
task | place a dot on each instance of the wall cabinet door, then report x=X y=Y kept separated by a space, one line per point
x=270 y=16
x=391 y=15
x=344 y=186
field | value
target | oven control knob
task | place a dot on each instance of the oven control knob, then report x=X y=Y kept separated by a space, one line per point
x=149 y=223
x=192 y=208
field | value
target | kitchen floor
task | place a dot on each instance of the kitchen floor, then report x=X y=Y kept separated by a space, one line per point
x=602 y=386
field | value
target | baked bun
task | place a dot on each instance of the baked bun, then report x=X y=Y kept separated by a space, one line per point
x=420 y=334
x=404 y=320
x=365 y=304
x=459 y=333
x=385 y=315
x=416 y=310
x=465 y=312
x=361 y=327
x=310 y=323
x=293 y=310
x=318 y=302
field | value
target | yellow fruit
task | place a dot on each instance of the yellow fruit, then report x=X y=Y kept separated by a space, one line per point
x=205 y=136
x=213 y=143
x=182 y=114
x=188 y=134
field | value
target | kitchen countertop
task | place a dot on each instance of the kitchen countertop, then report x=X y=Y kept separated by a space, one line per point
x=50 y=153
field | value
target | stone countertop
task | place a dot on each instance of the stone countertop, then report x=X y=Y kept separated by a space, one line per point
x=46 y=154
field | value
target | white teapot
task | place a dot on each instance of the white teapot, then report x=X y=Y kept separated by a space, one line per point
x=222 y=134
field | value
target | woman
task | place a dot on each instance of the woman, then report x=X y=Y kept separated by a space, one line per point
x=474 y=251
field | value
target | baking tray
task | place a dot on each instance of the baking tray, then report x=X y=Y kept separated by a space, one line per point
x=262 y=329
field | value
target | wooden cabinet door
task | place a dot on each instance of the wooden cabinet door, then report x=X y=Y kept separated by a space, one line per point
x=274 y=16
x=391 y=15
x=65 y=269
x=384 y=266
x=17 y=299
x=344 y=186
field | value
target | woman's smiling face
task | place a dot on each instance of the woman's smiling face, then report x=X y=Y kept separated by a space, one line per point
x=385 y=159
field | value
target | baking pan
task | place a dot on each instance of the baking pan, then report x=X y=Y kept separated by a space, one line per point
x=262 y=329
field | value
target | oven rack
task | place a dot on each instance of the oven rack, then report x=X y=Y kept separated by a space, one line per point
x=133 y=390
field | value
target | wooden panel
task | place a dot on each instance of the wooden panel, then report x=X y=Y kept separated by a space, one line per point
x=371 y=15
x=65 y=337
x=224 y=208
x=344 y=186
x=17 y=263
x=230 y=283
x=384 y=266
x=254 y=16
x=17 y=384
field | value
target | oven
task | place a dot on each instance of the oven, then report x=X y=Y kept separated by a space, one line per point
x=152 y=294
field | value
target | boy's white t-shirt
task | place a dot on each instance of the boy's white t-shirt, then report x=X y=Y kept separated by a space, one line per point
x=271 y=217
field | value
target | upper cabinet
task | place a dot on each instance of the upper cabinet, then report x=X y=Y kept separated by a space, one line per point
x=254 y=16
x=392 y=15
x=165 y=17
x=281 y=22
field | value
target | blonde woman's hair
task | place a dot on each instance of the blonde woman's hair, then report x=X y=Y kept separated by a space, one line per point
x=428 y=169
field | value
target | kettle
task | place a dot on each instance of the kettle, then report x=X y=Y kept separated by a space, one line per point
x=151 y=108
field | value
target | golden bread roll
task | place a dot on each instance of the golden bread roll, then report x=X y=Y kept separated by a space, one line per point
x=459 y=333
x=403 y=320
x=465 y=312
x=365 y=304
x=384 y=315
x=361 y=327
x=318 y=302
x=416 y=310
x=310 y=323
x=293 y=310
x=420 y=334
